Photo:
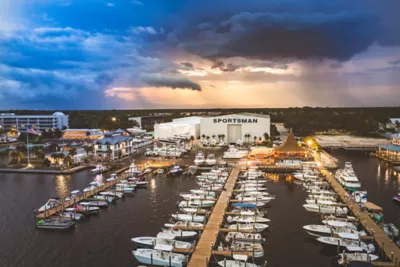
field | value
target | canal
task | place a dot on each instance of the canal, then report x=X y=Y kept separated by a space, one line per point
x=104 y=240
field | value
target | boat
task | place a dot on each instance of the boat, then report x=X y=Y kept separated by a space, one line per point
x=55 y=224
x=245 y=205
x=199 y=159
x=94 y=203
x=137 y=182
x=183 y=224
x=246 y=219
x=305 y=176
x=177 y=234
x=83 y=209
x=359 y=196
x=189 y=217
x=112 y=194
x=11 y=147
x=326 y=208
x=99 y=169
x=255 y=227
x=109 y=199
x=211 y=160
x=196 y=204
x=194 y=196
x=349 y=241
x=344 y=258
x=47 y=145
x=397 y=198
x=320 y=201
x=243 y=199
x=73 y=194
x=51 y=203
x=347 y=178
x=256 y=248
x=258 y=182
x=160 y=243
x=236 y=263
x=234 y=153
x=248 y=212
x=249 y=189
x=244 y=237
x=322 y=197
x=203 y=192
x=124 y=188
x=176 y=170
x=159 y=258
x=321 y=192
x=72 y=215
x=332 y=227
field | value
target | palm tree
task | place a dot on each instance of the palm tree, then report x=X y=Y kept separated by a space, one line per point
x=203 y=136
x=266 y=136
x=255 y=139
x=213 y=136
x=191 y=140
x=20 y=156
x=72 y=152
x=223 y=137
x=88 y=149
x=68 y=161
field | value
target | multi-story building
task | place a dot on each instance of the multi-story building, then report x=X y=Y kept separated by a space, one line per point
x=93 y=134
x=39 y=122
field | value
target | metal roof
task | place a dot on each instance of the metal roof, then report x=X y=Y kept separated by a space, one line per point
x=391 y=148
x=112 y=140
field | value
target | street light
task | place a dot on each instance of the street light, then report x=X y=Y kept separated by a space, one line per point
x=113 y=119
x=309 y=142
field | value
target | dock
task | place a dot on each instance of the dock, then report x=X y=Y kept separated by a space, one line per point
x=204 y=248
x=386 y=245
x=85 y=195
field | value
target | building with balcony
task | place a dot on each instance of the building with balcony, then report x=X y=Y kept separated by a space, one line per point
x=82 y=134
x=10 y=121
x=390 y=153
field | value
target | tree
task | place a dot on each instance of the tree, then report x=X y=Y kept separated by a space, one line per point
x=203 y=136
x=68 y=161
x=13 y=156
x=213 y=136
x=223 y=137
x=20 y=156
x=88 y=149
x=3 y=154
x=72 y=152
x=266 y=136
x=46 y=162
x=255 y=139
x=57 y=133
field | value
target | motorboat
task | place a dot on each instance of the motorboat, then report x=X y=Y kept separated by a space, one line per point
x=109 y=199
x=160 y=243
x=347 y=178
x=236 y=263
x=359 y=197
x=234 y=153
x=177 y=234
x=397 y=198
x=244 y=237
x=211 y=187
x=183 y=225
x=72 y=215
x=194 y=196
x=55 y=223
x=74 y=194
x=259 y=182
x=250 y=189
x=211 y=160
x=199 y=159
x=159 y=258
x=255 y=227
x=112 y=194
x=344 y=258
x=202 y=192
x=320 y=201
x=189 y=217
x=256 y=248
x=99 y=169
x=196 y=204
x=326 y=208
x=254 y=194
x=193 y=210
x=322 y=197
x=246 y=219
x=321 y=192
x=332 y=227
x=305 y=176
x=83 y=209
x=248 y=205
x=248 y=212
x=137 y=182
x=254 y=199
x=94 y=203
x=176 y=170
x=124 y=188
x=349 y=241
x=51 y=203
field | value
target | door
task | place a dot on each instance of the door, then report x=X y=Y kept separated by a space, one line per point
x=234 y=132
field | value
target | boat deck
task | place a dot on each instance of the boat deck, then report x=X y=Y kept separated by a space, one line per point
x=85 y=195
x=204 y=248
x=386 y=245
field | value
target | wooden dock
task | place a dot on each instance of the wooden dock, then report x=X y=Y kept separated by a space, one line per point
x=204 y=248
x=85 y=195
x=386 y=245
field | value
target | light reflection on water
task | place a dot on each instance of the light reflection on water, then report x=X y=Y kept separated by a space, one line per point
x=62 y=185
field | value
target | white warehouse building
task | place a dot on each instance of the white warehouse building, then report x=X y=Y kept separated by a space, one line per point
x=189 y=126
x=236 y=126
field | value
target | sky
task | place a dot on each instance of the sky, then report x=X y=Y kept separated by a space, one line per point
x=135 y=54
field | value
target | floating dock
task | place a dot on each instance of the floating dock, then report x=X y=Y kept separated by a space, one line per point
x=85 y=195
x=204 y=248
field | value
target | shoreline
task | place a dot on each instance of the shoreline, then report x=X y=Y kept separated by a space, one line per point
x=70 y=171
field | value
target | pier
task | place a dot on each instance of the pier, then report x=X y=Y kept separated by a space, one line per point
x=386 y=245
x=204 y=248
x=83 y=196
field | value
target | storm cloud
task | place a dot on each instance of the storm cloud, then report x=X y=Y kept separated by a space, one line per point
x=174 y=82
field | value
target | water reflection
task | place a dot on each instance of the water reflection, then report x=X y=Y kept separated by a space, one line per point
x=387 y=177
x=62 y=185
x=153 y=184
x=99 y=178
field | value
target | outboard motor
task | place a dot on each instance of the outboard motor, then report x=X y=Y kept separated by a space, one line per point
x=371 y=248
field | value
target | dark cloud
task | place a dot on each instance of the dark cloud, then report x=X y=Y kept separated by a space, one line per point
x=395 y=62
x=226 y=68
x=159 y=80
x=187 y=65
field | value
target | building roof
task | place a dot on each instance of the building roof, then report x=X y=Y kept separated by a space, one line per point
x=58 y=113
x=119 y=131
x=71 y=130
x=290 y=145
x=393 y=120
x=112 y=140
x=249 y=114
x=391 y=148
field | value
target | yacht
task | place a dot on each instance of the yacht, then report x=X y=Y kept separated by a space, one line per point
x=160 y=243
x=345 y=258
x=246 y=219
x=234 y=153
x=189 y=217
x=347 y=178
x=176 y=170
x=332 y=227
x=196 y=196
x=183 y=224
x=349 y=241
x=124 y=188
x=199 y=160
x=305 y=176
x=159 y=258
x=236 y=263
x=176 y=234
x=55 y=223
x=51 y=203
x=325 y=207
x=211 y=160
x=202 y=193
x=83 y=209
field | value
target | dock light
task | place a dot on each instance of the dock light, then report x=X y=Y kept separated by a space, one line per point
x=319 y=164
x=29 y=165
x=309 y=142
x=113 y=119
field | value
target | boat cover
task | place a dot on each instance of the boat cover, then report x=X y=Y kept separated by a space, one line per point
x=245 y=205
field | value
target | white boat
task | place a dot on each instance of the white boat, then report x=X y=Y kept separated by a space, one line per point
x=73 y=194
x=359 y=197
x=250 y=189
x=112 y=193
x=124 y=188
x=189 y=217
x=183 y=224
x=304 y=176
x=347 y=177
x=333 y=227
x=109 y=199
x=177 y=234
x=243 y=199
x=193 y=210
x=211 y=160
x=160 y=243
x=72 y=215
x=195 y=196
x=253 y=194
x=349 y=241
x=99 y=169
x=246 y=219
x=212 y=187
x=51 y=203
x=255 y=248
x=322 y=197
x=196 y=204
x=94 y=203
x=325 y=208
x=234 y=153
x=259 y=182
x=255 y=227
x=244 y=237
x=248 y=212
x=321 y=192
x=344 y=258
x=236 y=263
x=83 y=209
x=176 y=170
x=203 y=192
x=320 y=201
x=159 y=258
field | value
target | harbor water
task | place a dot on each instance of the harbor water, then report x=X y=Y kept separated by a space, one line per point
x=104 y=240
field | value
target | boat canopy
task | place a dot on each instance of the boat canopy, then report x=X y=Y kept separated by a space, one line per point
x=244 y=205
x=75 y=192
x=371 y=206
x=354 y=249
x=349 y=236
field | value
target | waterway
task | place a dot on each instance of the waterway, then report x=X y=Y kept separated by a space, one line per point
x=104 y=240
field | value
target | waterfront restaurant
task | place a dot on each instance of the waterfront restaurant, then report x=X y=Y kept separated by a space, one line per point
x=289 y=153
x=390 y=153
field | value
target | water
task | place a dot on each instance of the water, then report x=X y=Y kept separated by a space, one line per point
x=104 y=240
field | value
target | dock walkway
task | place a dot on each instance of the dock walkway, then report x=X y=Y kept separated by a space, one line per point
x=85 y=195
x=202 y=253
x=390 y=249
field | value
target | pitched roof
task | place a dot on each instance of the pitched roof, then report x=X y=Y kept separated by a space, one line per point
x=290 y=145
x=115 y=139
x=119 y=131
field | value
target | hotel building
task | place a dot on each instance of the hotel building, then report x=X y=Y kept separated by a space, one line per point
x=39 y=122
